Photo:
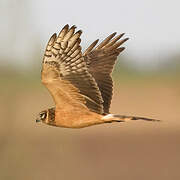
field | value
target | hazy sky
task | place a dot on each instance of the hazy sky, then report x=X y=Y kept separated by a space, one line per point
x=152 y=25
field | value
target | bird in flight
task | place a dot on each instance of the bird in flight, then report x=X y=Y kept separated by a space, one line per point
x=80 y=83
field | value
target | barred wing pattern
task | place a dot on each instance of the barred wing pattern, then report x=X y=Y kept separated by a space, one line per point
x=65 y=72
x=100 y=62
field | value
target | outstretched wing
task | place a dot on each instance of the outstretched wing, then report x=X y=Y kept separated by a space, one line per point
x=100 y=62
x=65 y=73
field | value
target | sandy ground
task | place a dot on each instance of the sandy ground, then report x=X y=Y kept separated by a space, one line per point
x=133 y=150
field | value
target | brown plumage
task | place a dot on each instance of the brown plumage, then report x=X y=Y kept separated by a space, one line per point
x=80 y=84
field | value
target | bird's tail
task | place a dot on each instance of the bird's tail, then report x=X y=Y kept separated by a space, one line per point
x=122 y=118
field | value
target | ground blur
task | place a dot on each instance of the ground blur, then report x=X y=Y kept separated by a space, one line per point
x=133 y=150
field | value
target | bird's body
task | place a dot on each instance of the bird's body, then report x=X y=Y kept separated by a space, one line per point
x=80 y=84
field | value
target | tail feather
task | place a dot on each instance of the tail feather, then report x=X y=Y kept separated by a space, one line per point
x=123 y=118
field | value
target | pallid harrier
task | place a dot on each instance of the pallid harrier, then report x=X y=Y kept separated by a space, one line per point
x=80 y=83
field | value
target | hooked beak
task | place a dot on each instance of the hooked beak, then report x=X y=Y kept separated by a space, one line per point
x=37 y=120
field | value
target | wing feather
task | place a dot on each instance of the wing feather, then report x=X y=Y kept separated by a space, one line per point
x=65 y=73
x=106 y=41
x=100 y=62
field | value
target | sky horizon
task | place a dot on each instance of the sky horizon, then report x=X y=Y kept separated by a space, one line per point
x=151 y=26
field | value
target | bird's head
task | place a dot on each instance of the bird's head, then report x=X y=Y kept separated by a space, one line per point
x=47 y=116
x=42 y=116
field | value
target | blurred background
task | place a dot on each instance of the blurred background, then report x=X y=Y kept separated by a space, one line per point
x=146 y=76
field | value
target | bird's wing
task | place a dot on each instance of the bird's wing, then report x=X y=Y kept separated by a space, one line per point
x=100 y=62
x=65 y=74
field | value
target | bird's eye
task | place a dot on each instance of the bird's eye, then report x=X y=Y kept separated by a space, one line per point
x=43 y=115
